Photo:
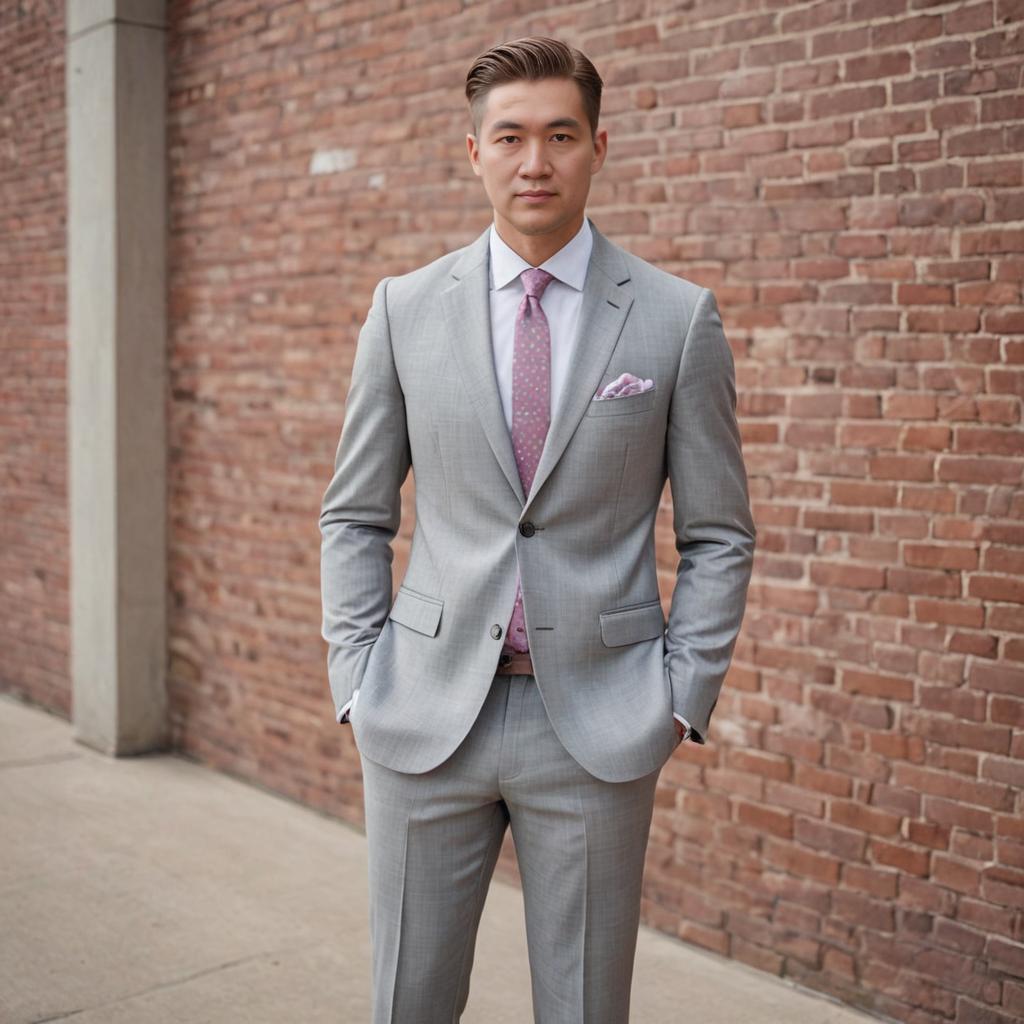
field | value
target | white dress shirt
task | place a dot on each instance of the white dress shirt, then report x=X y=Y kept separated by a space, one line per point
x=561 y=302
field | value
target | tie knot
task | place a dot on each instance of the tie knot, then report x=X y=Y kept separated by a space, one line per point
x=535 y=281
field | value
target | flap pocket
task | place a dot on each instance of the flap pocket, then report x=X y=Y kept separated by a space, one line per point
x=630 y=625
x=417 y=611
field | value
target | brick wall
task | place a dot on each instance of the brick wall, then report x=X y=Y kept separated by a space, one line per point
x=34 y=625
x=846 y=176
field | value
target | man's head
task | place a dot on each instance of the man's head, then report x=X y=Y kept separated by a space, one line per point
x=531 y=59
x=535 y=104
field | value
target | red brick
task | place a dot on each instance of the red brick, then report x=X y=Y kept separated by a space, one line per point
x=874 y=495
x=937 y=556
x=907 y=859
x=868 y=820
x=877 y=685
x=998 y=678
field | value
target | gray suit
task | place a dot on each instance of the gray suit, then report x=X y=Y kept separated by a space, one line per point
x=608 y=674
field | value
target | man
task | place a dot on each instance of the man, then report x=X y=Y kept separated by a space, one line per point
x=542 y=382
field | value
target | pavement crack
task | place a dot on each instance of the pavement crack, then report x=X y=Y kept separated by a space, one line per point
x=28 y=762
x=71 y=1014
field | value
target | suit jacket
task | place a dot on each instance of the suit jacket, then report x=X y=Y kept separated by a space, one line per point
x=423 y=395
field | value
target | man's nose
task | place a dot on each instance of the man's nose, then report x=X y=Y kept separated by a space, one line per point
x=534 y=161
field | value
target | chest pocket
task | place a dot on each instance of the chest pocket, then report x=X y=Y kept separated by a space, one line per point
x=624 y=405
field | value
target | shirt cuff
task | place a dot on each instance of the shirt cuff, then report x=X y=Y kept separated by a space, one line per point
x=689 y=728
x=343 y=713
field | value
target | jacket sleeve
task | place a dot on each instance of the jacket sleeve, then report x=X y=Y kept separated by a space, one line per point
x=362 y=507
x=714 y=529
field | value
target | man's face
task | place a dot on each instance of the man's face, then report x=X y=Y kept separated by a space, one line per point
x=535 y=137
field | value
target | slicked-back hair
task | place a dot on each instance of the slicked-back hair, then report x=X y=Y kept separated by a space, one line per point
x=532 y=58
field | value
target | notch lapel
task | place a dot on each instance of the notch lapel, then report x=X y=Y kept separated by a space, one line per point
x=607 y=298
x=467 y=314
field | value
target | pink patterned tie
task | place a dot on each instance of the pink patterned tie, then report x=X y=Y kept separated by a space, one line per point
x=531 y=410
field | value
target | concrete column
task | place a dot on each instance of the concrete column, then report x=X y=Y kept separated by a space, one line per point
x=117 y=370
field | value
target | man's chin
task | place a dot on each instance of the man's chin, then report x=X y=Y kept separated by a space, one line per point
x=537 y=222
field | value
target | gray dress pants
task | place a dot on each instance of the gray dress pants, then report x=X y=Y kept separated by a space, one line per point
x=433 y=841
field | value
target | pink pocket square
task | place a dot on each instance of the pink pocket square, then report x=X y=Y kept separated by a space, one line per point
x=624 y=384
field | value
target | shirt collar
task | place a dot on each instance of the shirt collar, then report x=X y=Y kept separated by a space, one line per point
x=568 y=265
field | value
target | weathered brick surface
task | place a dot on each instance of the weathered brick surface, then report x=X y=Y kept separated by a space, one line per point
x=871 y=273
x=846 y=176
x=34 y=627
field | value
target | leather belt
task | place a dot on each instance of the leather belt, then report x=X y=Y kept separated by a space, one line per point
x=519 y=663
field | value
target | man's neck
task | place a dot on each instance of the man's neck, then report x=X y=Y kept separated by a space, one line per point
x=535 y=249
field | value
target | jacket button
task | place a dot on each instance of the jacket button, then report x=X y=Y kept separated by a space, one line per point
x=496 y=631
x=527 y=529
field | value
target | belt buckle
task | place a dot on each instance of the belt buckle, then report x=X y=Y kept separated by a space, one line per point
x=505 y=659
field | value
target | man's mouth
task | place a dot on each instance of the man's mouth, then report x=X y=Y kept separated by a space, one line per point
x=535 y=196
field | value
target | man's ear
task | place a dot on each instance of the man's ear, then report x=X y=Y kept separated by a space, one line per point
x=600 y=150
x=474 y=153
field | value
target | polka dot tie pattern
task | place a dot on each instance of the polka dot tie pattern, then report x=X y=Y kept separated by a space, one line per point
x=531 y=408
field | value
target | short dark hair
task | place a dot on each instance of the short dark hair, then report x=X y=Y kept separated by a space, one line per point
x=532 y=58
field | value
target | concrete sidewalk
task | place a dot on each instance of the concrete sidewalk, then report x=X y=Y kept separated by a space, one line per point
x=152 y=890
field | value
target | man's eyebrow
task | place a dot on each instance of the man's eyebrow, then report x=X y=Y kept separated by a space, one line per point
x=559 y=122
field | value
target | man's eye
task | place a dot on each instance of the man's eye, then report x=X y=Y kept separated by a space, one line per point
x=504 y=137
x=563 y=134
